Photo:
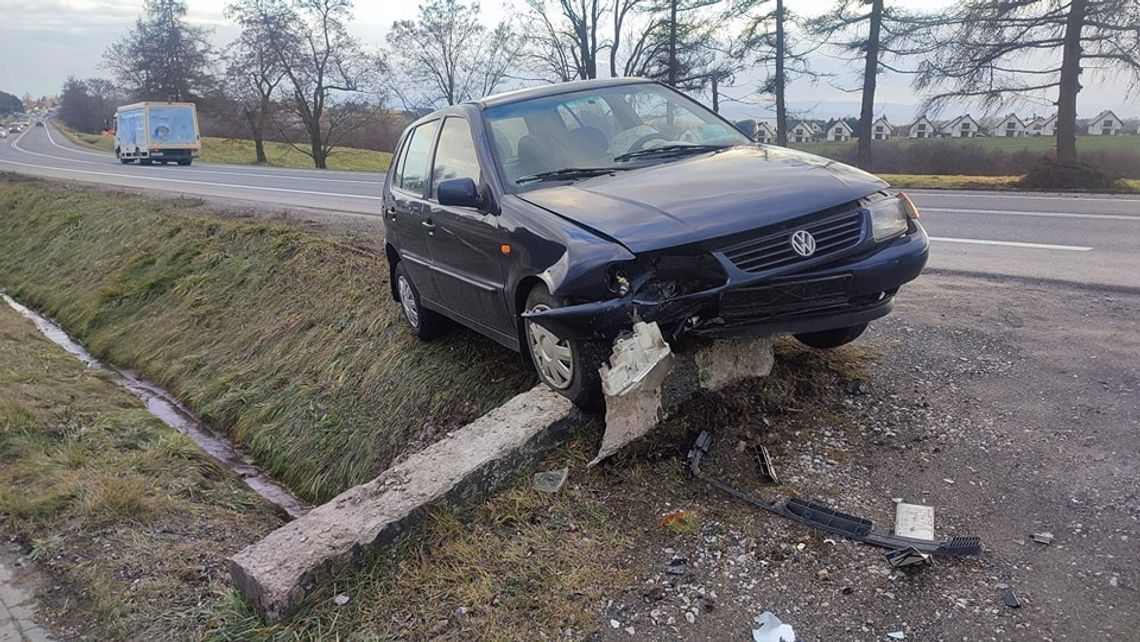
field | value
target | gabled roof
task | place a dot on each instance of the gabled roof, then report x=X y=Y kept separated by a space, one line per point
x=808 y=126
x=957 y=121
x=1041 y=120
x=1005 y=120
x=1107 y=112
x=840 y=121
x=883 y=120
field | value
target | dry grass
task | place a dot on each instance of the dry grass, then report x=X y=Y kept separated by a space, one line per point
x=129 y=517
x=237 y=151
x=287 y=341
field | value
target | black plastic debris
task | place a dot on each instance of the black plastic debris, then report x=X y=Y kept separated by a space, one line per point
x=907 y=556
x=676 y=565
x=764 y=461
x=1010 y=599
x=825 y=518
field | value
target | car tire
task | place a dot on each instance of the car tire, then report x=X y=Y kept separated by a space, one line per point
x=828 y=339
x=425 y=324
x=583 y=385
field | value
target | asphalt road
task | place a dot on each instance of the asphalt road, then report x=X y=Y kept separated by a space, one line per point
x=1089 y=239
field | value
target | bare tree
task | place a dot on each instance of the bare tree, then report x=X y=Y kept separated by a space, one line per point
x=875 y=29
x=765 y=41
x=563 y=43
x=163 y=57
x=449 y=55
x=322 y=65
x=253 y=73
x=997 y=50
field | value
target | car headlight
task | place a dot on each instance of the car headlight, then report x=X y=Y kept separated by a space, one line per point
x=889 y=216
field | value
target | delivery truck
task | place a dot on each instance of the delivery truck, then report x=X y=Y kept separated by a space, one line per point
x=157 y=132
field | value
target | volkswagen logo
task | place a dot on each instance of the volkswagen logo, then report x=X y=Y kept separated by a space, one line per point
x=803 y=243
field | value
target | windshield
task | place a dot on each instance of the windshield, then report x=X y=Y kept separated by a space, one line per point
x=602 y=127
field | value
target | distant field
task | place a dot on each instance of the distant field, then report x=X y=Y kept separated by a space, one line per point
x=1124 y=143
x=234 y=151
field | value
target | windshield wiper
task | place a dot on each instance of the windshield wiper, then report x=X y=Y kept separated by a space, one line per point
x=569 y=173
x=668 y=150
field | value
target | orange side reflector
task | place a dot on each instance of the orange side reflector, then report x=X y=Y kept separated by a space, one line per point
x=505 y=249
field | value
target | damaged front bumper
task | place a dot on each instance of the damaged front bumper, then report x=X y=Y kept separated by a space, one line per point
x=848 y=291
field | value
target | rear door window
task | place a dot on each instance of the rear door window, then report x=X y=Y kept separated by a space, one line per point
x=413 y=172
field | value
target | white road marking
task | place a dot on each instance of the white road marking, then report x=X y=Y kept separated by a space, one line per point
x=200 y=183
x=1113 y=217
x=1035 y=246
x=1049 y=197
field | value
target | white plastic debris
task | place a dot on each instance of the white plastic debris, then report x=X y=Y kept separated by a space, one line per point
x=897 y=635
x=640 y=360
x=914 y=521
x=769 y=628
x=341 y=600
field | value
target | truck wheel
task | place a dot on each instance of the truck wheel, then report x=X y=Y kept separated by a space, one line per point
x=146 y=161
x=185 y=161
x=568 y=366
x=425 y=324
x=828 y=339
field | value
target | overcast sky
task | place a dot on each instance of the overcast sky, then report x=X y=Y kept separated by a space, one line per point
x=44 y=41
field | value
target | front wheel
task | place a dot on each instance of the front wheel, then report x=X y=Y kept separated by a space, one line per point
x=568 y=366
x=828 y=339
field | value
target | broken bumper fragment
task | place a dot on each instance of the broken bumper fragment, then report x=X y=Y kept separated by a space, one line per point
x=845 y=293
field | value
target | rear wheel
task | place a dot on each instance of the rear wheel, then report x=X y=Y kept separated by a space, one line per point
x=828 y=339
x=425 y=324
x=185 y=161
x=568 y=366
x=145 y=161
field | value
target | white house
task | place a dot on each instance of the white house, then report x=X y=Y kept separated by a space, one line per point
x=922 y=128
x=1009 y=127
x=1042 y=126
x=1106 y=123
x=881 y=129
x=802 y=133
x=765 y=133
x=839 y=132
x=962 y=127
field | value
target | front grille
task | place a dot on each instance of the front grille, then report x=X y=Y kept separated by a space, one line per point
x=771 y=251
x=796 y=297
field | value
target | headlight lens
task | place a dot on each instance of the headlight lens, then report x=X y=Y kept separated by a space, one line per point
x=888 y=217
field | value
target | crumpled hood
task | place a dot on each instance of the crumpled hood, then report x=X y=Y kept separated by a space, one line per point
x=706 y=196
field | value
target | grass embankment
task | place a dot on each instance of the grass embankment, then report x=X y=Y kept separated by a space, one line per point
x=129 y=517
x=526 y=566
x=235 y=151
x=287 y=341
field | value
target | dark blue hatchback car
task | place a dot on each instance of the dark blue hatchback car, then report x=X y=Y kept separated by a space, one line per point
x=551 y=219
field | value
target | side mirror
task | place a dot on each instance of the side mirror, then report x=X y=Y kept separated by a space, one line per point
x=747 y=127
x=458 y=192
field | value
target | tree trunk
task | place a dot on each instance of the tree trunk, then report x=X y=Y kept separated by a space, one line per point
x=870 y=77
x=781 y=106
x=673 y=43
x=259 y=148
x=318 y=150
x=1070 y=85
